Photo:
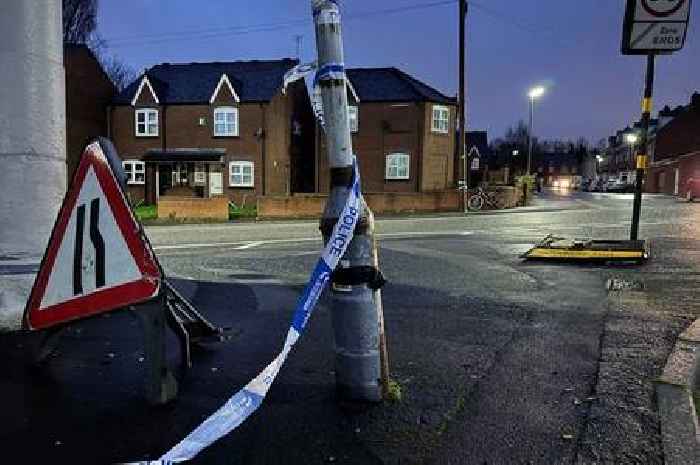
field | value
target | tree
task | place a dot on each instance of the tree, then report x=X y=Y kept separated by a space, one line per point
x=80 y=27
x=119 y=72
x=79 y=21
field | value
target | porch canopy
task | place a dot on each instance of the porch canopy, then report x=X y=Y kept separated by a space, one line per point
x=185 y=155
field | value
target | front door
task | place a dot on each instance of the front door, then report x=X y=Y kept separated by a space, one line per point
x=216 y=184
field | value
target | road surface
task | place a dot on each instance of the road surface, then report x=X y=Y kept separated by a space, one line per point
x=499 y=361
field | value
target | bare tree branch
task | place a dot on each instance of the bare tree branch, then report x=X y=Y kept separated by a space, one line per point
x=79 y=20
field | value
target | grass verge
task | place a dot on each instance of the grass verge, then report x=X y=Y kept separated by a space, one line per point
x=146 y=212
x=243 y=212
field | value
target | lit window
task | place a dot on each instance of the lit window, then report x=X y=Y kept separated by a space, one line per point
x=226 y=122
x=353 y=118
x=146 y=122
x=241 y=174
x=200 y=175
x=397 y=166
x=441 y=119
x=135 y=171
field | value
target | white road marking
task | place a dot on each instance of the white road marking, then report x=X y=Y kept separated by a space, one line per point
x=250 y=245
x=244 y=245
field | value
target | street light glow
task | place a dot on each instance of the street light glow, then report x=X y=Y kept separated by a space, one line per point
x=515 y=153
x=536 y=92
x=599 y=158
x=631 y=138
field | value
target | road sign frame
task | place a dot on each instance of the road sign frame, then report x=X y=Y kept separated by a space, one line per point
x=98 y=157
x=669 y=18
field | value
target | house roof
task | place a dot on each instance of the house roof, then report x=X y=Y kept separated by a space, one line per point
x=478 y=139
x=392 y=85
x=182 y=83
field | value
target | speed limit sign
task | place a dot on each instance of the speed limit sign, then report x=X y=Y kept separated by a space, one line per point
x=655 y=26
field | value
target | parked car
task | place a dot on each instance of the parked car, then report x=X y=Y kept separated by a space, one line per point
x=615 y=184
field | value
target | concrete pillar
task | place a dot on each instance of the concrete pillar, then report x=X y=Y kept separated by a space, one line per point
x=32 y=144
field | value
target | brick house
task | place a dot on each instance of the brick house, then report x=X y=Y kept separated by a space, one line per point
x=403 y=133
x=89 y=92
x=676 y=156
x=221 y=130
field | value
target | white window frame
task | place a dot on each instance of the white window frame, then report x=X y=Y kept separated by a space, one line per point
x=241 y=165
x=392 y=163
x=354 y=118
x=145 y=112
x=134 y=167
x=440 y=118
x=225 y=111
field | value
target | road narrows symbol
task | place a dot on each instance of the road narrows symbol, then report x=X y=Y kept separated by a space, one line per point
x=78 y=251
x=97 y=242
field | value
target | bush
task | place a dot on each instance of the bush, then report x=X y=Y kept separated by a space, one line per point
x=243 y=212
x=146 y=212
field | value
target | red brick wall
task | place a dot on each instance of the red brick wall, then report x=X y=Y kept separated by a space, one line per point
x=187 y=207
x=88 y=94
x=390 y=127
x=389 y=202
x=680 y=136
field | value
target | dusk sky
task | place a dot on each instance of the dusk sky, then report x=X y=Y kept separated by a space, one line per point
x=571 y=46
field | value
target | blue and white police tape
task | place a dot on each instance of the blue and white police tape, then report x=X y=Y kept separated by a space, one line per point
x=247 y=400
x=330 y=71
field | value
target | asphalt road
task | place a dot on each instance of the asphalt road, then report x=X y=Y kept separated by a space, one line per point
x=499 y=361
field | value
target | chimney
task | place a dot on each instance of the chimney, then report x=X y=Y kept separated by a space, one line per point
x=695 y=101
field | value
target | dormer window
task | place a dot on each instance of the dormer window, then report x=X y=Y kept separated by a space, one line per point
x=146 y=122
x=226 y=122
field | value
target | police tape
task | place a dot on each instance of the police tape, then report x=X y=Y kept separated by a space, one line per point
x=246 y=401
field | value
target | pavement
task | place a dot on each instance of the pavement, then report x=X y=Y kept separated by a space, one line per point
x=499 y=361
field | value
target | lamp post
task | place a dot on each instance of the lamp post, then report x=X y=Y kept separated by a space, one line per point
x=534 y=94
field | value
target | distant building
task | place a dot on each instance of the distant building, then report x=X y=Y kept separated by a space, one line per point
x=89 y=92
x=560 y=170
x=403 y=133
x=476 y=146
x=676 y=156
x=215 y=130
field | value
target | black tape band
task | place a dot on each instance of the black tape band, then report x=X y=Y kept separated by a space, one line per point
x=359 y=275
x=341 y=177
x=327 y=224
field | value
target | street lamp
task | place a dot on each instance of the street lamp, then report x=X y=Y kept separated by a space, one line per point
x=631 y=138
x=534 y=94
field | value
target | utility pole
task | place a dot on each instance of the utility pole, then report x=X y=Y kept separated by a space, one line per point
x=642 y=147
x=529 y=137
x=355 y=306
x=32 y=155
x=461 y=127
x=299 y=40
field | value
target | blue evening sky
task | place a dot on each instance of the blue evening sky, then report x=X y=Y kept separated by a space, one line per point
x=572 y=46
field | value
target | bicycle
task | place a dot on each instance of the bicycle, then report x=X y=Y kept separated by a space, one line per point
x=480 y=199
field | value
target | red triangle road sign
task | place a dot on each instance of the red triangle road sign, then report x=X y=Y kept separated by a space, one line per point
x=98 y=258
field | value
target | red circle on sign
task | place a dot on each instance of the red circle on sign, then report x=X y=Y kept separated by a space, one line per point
x=661 y=14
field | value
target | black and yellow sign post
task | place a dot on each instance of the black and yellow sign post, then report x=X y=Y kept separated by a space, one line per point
x=651 y=27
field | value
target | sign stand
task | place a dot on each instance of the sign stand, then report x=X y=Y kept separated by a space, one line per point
x=98 y=260
x=641 y=154
x=651 y=27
